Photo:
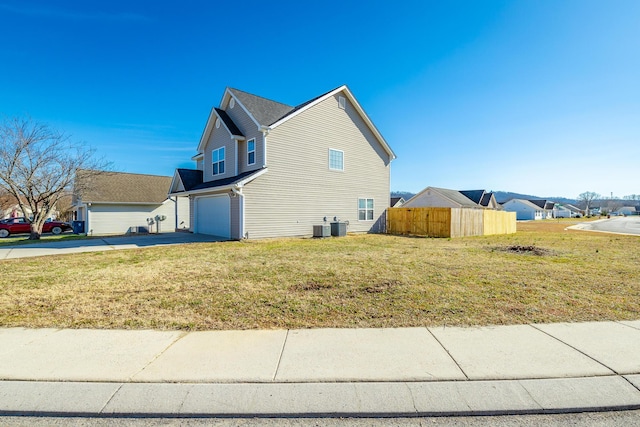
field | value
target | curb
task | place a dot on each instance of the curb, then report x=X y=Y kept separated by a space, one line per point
x=299 y=400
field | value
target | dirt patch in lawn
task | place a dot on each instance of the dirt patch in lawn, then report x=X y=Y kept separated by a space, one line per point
x=526 y=250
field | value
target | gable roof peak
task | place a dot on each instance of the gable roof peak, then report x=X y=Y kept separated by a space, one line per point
x=262 y=110
x=245 y=93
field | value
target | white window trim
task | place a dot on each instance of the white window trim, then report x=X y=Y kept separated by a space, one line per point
x=254 y=152
x=373 y=210
x=329 y=159
x=224 y=159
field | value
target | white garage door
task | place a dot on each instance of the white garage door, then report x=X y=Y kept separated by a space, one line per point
x=213 y=216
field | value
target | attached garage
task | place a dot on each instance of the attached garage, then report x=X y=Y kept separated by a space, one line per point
x=213 y=215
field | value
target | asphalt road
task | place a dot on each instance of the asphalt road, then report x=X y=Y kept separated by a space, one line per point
x=593 y=419
x=626 y=225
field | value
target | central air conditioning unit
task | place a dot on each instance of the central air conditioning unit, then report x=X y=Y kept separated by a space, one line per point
x=323 y=230
x=338 y=229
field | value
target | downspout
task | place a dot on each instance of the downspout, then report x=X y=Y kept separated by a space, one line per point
x=237 y=191
x=265 y=132
x=175 y=211
x=87 y=229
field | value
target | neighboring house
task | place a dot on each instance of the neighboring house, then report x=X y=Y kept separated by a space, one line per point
x=15 y=211
x=627 y=210
x=266 y=169
x=483 y=198
x=561 y=211
x=434 y=197
x=577 y=212
x=524 y=209
x=396 y=202
x=566 y=210
x=120 y=203
x=547 y=207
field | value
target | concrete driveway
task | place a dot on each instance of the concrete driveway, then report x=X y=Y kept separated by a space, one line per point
x=97 y=244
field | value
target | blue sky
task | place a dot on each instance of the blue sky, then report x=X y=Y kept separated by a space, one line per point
x=533 y=96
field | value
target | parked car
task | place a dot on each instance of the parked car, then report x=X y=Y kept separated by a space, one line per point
x=22 y=225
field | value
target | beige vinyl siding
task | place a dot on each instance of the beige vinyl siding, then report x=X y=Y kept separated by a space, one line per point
x=242 y=155
x=250 y=130
x=236 y=233
x=299 y=190
x=191 y=212
x=119 y=218
x=219 y=138
x=183 y=219
x=245 y=123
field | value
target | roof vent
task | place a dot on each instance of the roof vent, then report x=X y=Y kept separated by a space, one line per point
x=217 y=123
x=342 y=102
x=232 y=103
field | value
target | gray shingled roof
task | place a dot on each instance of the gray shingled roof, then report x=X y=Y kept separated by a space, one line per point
x=190 y=177
x=486 y=198
x=526 y=203
x=224 y=181
x=264 y=110
x=119 y=187
x=457 y=197
x=298 y=107
x=542 y=203
x=395 y=200
x=475 y=195
x=228 y=122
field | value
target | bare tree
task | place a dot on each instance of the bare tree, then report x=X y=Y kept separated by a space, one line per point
x=587 y=198
x=38 y=165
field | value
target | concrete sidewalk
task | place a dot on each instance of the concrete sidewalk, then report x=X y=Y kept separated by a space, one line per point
x=99 y=244
x=323 y=372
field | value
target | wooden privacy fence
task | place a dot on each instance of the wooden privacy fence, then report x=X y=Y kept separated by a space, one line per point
x=449 y=222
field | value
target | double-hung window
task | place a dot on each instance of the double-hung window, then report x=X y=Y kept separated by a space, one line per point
x=365 y=209
x=218 y=161
x=336 y=160
x=251 y=152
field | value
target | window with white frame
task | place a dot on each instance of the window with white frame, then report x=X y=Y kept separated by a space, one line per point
x=365 y=209
x=218 y=161
x=251 y=152
x=336 y=160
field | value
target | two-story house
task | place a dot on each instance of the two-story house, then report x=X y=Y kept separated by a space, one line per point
x=267 y=169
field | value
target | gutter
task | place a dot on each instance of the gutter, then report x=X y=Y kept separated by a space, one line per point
x=230 y=187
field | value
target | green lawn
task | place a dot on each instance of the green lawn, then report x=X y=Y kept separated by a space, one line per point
x=23 y=239
x=540 y=274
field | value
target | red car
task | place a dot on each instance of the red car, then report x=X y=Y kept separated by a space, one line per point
x=21 y=225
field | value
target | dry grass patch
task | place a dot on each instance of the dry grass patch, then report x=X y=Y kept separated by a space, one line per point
x=356 y=281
